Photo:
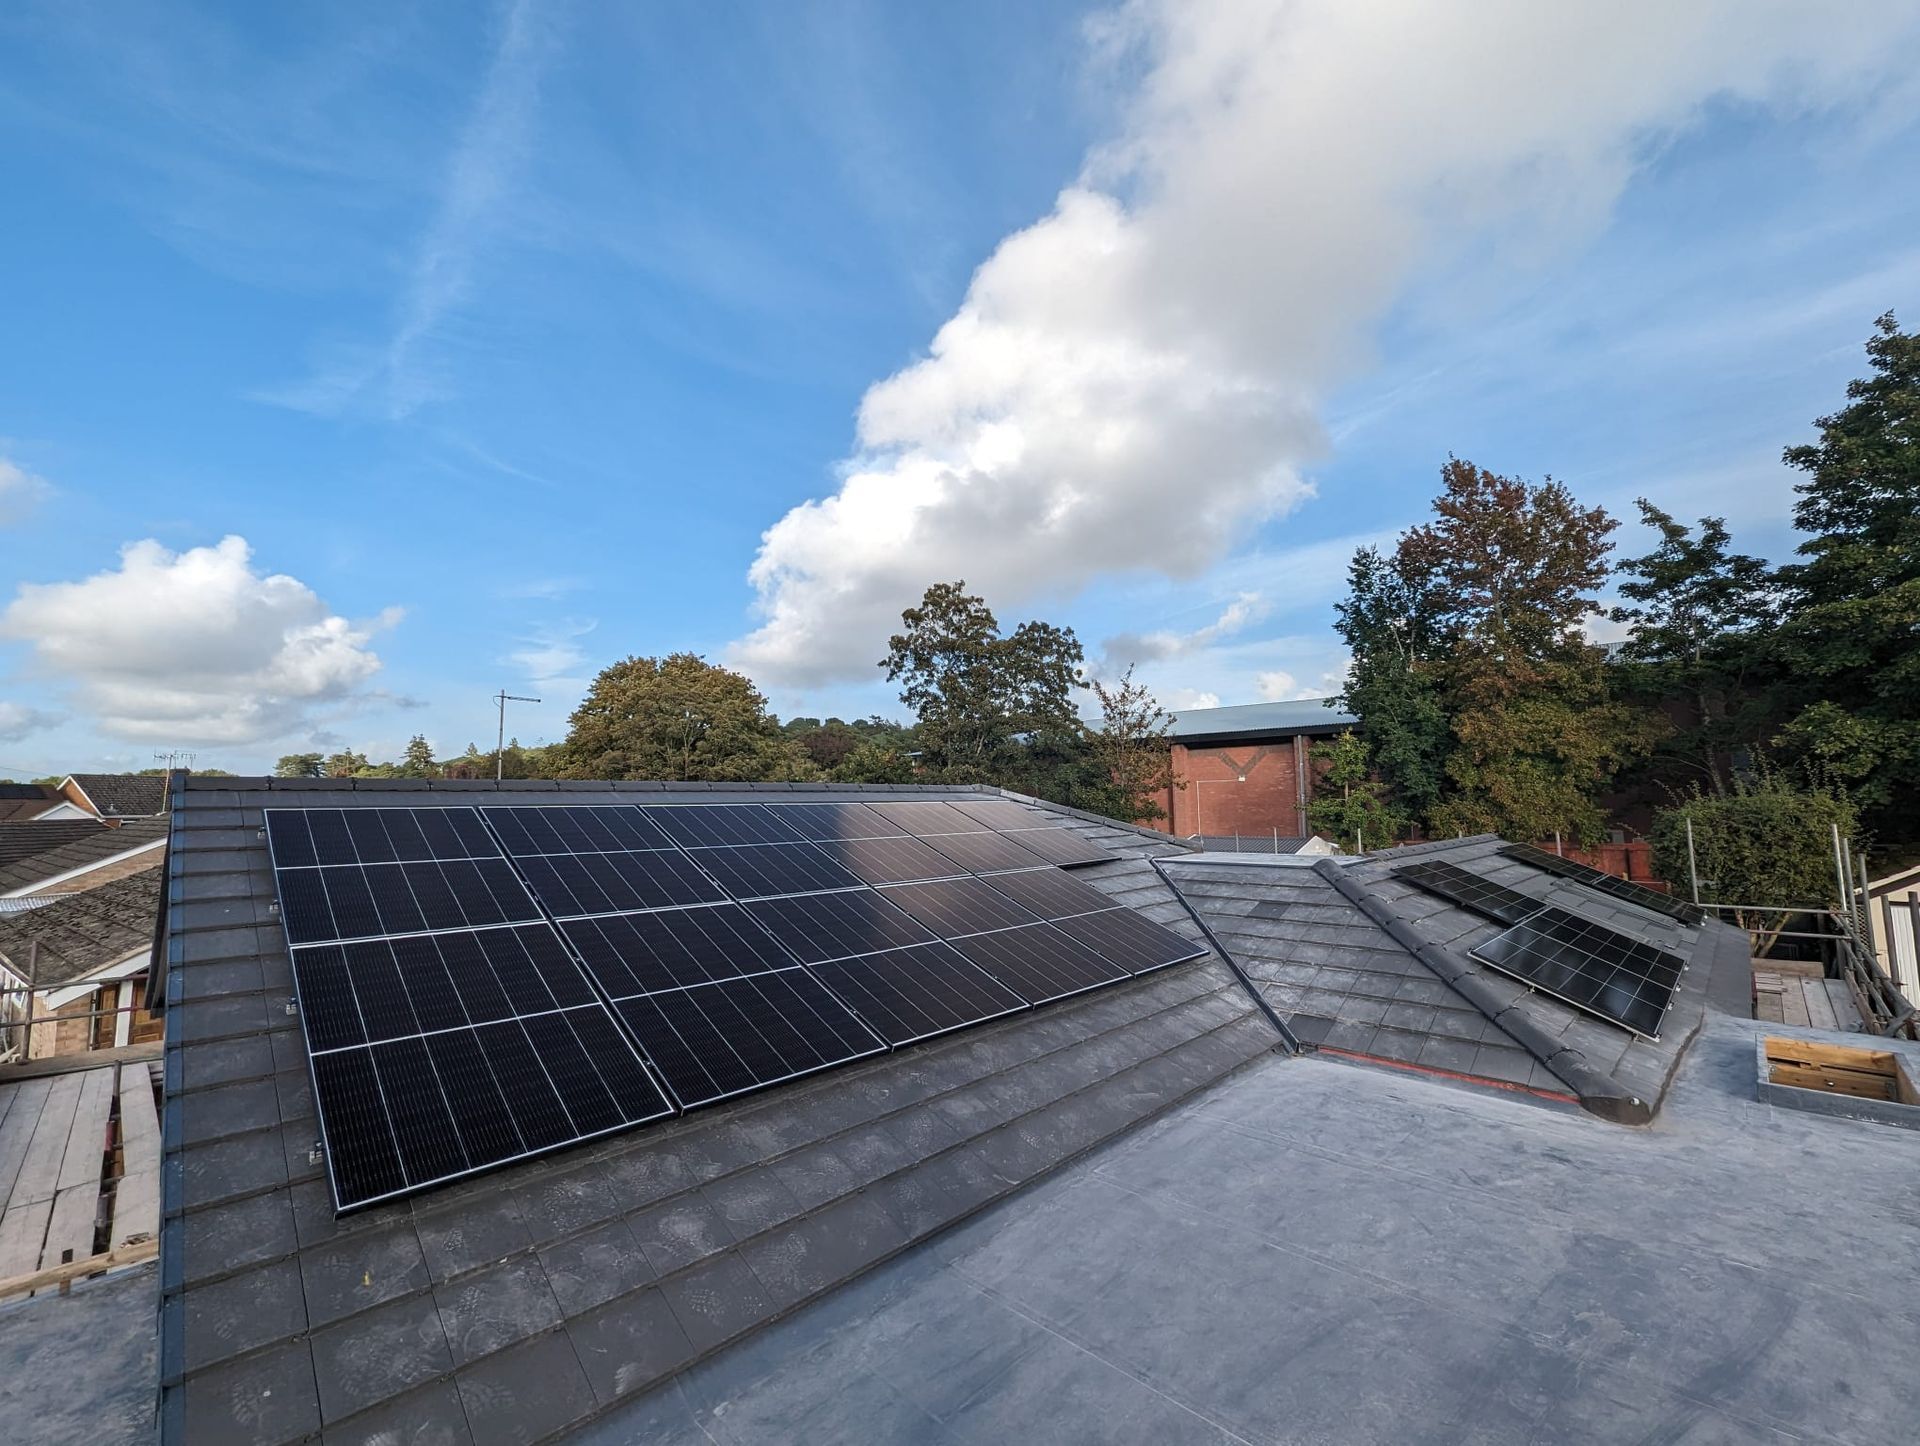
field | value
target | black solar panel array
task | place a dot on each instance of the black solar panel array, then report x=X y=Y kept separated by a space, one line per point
x=1589 y=966
x=454 y=1027
x=1470 y=891
x=1624 y=890
x=449 y=1028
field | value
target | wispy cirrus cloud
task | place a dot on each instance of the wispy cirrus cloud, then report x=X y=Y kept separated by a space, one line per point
x=396 y=376
x=20 y=491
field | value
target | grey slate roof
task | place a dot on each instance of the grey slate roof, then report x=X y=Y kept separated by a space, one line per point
x=534 y=1299
x=124 y=795
x=1252 y=720
x=94 y=847
x=79 y=933
x=1248 y=843
x=19 y=840
x=1353 y=959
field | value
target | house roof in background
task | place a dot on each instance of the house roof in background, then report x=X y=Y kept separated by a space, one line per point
x=539 y=1296
x=20 y=840
x=1255 y=720
x=89 y=850
x=1357 y=960
x=80 y=933
x=17 y=792
x=1259 y=844
x=123 y=795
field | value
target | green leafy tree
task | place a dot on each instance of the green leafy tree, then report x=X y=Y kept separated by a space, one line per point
x=1698 y=614
x=346 y=764
x=1850 y=643
x=874 y=760
x=1761 y=842
x=417 y=761
x=982 y=697
x=301 y=765
x=1349 y=803
x=1509 y=574
x=1393 y=683
x=679 y=717
x=1134 y=745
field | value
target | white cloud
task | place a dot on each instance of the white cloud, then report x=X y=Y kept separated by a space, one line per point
x=1280 y=686
x=17 y=721
x=20 y=491
x=194 y=647
x=1176 y=699
x=1135 y=381
x=1125 y=649
x=550 y=655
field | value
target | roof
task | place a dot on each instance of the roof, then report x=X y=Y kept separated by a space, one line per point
x=1356 y=960
x=80 y=933
x=1257 y=720
x=22 y=792
x=123 y=795
x=88 y=851
x=540 y=1296
x=1317 y=1251
x=1259 y=844
x=23 y=840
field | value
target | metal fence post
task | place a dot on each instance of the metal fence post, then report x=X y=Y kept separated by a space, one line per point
x=1693 y=863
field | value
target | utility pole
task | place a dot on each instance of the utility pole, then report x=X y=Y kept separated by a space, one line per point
x=503 y=697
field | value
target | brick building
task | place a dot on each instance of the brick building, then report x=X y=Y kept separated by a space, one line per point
x=1246 y=768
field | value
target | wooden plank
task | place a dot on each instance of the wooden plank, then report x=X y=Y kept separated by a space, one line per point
x=1846 y=1015
x=39 y=1177
x=17 y=1131
x=152 y=1049
x=1841 y=1056
x=23 y=1230
x=87 y=1140
x=112 y=1259
x=1819 y=1007
x=1793 y=1008
x=6 y=1102
x=72 y=1225
x=136 y=1199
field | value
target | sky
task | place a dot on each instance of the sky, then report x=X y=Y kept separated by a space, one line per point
x=360 y=361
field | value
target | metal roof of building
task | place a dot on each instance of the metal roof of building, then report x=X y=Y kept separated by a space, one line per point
x=1252 y=720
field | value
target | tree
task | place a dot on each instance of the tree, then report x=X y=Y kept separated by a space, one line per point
x=418 y=762
x=301 y=765
x=1133 y=744
x=1697 y=618
x=1349 y=803
x=981 y=696
x=1851 y=636
x=874 y=761
x=1393 y=682
x=1509 y=575
x=1760 y=842
x=678 y=717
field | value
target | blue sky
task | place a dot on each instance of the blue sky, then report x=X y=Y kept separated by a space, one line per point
x=501 y=336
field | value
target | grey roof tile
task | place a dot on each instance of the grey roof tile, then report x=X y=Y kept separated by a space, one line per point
x=429 y=1415
x=680 y=1231
x=364 y=1360
x=716 y=1300
x=491 y=1309
x=250 y=1309
x=628 y=1344
x=822 y=1249
x=468 y=1231
x=590 y=1269
x=245 y=1232
x=258 y=1399
x=750 y=1201
x=353 y=1272
x=526 y=1392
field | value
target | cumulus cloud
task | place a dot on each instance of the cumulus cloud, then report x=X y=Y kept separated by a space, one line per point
x=194 y=647
x=1125 y=649
x=19 y=491
x=1136 y=380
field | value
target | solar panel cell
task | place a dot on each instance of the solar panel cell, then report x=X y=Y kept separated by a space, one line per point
x=716 y=1040
x=926 y=817
x=475 y=984
x=1002 y=816
x=480 y=1112
x=816 y=927
x=890 y=860
x=361 y=1154
x=818 y=822
x=1061 y=846
x=537 y=1112
x=909 y=994
x=672 y=948
x=423 y=1127
x=759 y=871
x=712 y=825
x=328 y=1008
x=955 y=907
x=1050 y=894
x=1592 y=967
x=1129 y=940
x=986 y=853
x=1039 y=961
x=1470 y=891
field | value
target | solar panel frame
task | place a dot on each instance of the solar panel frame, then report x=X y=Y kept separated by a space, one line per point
x=1456 y=885
x=1623 y=890
x=1590 y=967
x=1129 y=940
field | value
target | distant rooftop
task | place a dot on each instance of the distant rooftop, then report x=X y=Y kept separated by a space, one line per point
x=1253 y=720
x=123 y=795
x=82 y=932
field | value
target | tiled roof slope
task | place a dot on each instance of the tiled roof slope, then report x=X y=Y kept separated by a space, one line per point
x=521 y=1303
x=1249 y=844
x=1363 y=962
x=19 y=840
x=93 y=847
x=124 y=795
x=79 y=933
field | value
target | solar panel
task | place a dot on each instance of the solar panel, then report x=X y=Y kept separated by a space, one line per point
x=1594 y=968
x=480 y=985
x=1622 y=889
x=1130 y=941
x=1470 y=891
x=1039 y=961
x=918 y=992
x=716 y=1040
x=1061 y=846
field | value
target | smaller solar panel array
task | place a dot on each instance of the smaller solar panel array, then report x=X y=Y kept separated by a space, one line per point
x=1625 y=890
x=1578 y=961
x=656 y=957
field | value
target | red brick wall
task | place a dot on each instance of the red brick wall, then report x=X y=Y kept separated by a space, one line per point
x=1214 y=801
